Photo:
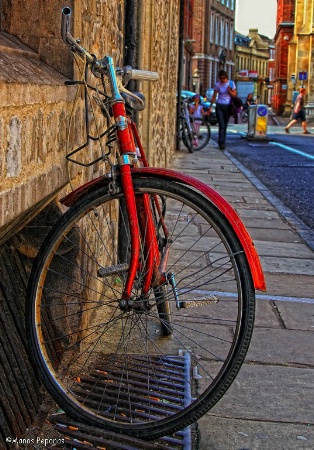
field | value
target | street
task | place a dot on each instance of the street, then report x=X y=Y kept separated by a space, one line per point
x=285 y=165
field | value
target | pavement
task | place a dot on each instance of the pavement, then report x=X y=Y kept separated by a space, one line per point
x=270 y=405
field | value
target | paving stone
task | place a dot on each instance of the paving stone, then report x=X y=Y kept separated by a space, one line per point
x=297 y=316
x=290 y=285
x=280 y=346
x=270 y=393
x=265 y=315
x=283 y=249
x=293 y=266
x=219 y=433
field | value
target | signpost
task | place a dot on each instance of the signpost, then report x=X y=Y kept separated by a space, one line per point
x=302 y=76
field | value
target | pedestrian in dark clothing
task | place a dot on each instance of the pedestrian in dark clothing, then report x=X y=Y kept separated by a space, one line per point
x=249 y=101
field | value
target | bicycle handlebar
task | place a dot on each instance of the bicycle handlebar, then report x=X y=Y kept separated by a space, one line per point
x=69 y=39
x=128 y=72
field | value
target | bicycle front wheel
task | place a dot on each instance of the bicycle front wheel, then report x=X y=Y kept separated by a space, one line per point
x=156 y=368
x=186 y=135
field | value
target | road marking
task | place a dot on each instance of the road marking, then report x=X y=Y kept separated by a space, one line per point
x=273 y=298
x=293 y=150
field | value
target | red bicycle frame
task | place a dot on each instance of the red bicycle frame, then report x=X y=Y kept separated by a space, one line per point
x=139 y=208
x=139 y=212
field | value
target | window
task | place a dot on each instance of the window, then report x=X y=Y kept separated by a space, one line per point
x=222 y=32
x=210 y=81
x=212 y=28
x=231 y=37
x=217 y=30
x=227 y=35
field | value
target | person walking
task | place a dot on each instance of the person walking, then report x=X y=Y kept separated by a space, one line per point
x=298 y=113
x=225 y=89
x=249 y=101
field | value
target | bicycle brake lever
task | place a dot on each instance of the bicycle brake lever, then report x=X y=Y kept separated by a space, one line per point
x=135 y=101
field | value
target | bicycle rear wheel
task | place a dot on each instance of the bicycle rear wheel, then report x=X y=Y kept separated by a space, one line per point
x=120 y=370
x=244 y=116
x=201 y=133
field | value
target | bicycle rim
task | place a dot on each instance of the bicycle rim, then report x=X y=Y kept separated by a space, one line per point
x=187 y=137
x=201 y=133
x=117 y=369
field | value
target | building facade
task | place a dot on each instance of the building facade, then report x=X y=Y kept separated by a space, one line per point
x=213 y=35
x=187 y=45
x=284 y=34
x=300 y=61
x=252 y=57
x=35 y=135
x=35 y=103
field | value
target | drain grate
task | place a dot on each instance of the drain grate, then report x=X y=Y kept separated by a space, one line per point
x=169 y=390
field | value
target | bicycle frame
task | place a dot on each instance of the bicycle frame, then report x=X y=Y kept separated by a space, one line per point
x=226 y=210
x=139 y=208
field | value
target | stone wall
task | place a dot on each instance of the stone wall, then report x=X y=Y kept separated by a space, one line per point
x=159 y=31
x=36 y=106
x=35 y=132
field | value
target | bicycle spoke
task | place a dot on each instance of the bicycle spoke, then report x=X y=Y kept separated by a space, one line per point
x=160 y=352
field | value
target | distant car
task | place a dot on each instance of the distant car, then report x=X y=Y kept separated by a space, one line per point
x=212 y=119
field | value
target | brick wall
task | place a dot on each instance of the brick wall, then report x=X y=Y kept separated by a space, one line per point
x=35 y=115
x=36 y=106
x=210 y=15
x=285 y=15
x=159 y=31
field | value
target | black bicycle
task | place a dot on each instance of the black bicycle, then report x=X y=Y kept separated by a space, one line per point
x=194 y=132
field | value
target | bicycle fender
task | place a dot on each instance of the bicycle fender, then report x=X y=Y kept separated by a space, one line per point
x=222 y=205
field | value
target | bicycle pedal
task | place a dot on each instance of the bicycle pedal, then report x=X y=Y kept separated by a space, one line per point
x=103 y=272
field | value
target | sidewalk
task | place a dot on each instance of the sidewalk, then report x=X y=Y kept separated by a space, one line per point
x=270 y=404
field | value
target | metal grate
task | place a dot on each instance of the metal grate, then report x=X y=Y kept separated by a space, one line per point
x=169 y=385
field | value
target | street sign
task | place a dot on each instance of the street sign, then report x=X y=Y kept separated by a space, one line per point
x=303 y=76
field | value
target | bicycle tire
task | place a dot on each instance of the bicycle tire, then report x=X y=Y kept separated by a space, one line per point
x=186 y=135
x=201 y=133
x=244 y=116
x=76 y=330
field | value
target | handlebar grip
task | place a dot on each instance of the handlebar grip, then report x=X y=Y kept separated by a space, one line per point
x=144 y=75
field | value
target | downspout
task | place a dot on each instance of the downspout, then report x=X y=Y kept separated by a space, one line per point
x=131 y=38
x=180 y=72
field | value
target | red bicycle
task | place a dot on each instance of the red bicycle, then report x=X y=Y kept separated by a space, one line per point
x=140 y=304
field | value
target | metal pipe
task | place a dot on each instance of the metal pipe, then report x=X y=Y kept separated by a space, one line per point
x=65 y=23
x=180 y=72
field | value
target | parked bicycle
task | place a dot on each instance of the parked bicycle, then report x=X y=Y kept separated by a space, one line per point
x=140 y=303
x=194 y=132
x=244 y=115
